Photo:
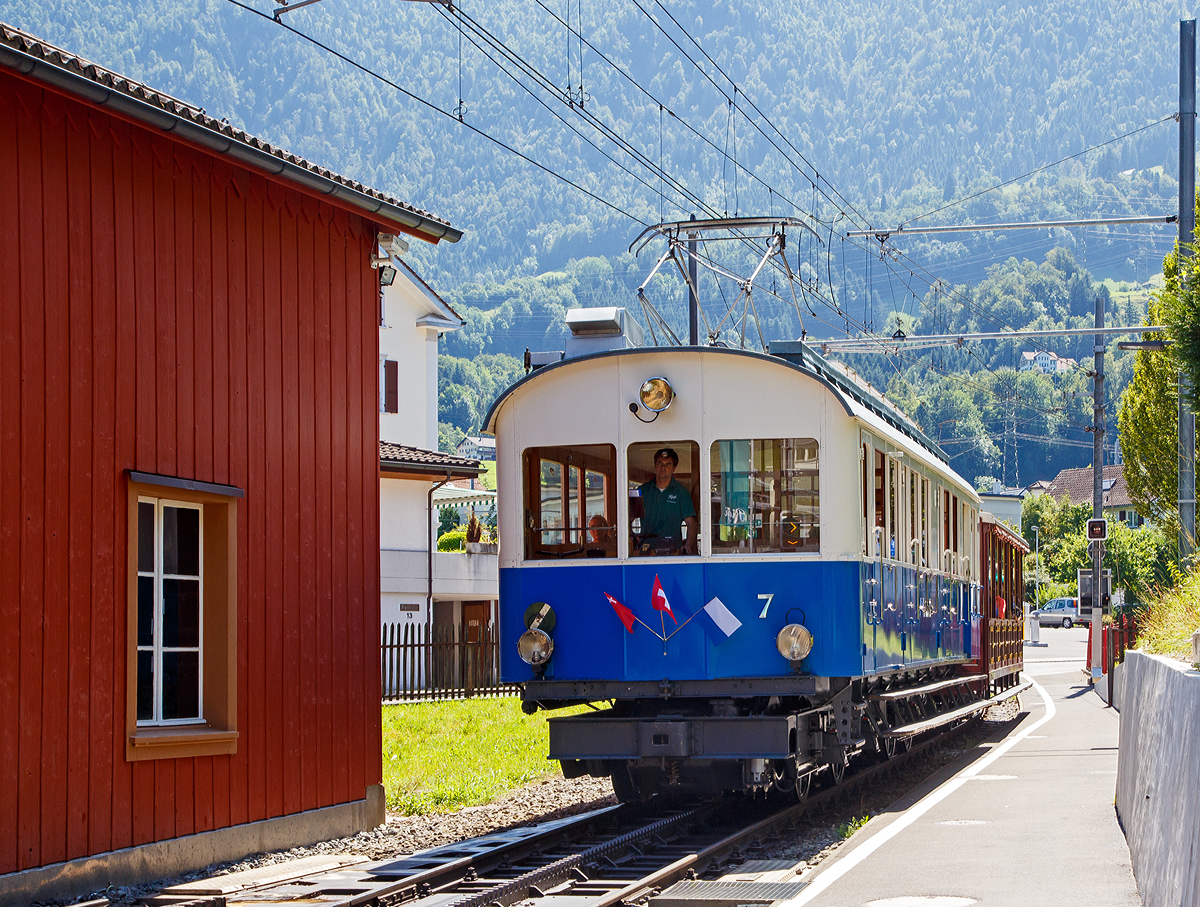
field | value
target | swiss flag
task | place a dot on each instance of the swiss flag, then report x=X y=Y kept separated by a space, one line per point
x=658 y=598
x=622 y=612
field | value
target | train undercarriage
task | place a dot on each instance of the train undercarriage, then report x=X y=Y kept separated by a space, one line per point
x=758 y=744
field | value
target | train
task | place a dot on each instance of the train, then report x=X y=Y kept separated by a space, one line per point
x=751 y=566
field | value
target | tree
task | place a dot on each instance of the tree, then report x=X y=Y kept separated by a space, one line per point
x=447 y=519
x=1140 y=559
x=1148 y=418
x=449 y=436
x=1181 y=310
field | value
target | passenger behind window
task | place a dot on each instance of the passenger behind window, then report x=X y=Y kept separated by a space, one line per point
x=662 y=511
x=602 y=538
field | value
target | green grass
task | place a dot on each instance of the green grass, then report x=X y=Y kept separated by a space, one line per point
x=1126 y=290
x=489 y=477
x=1170 y=619
x=442 y=756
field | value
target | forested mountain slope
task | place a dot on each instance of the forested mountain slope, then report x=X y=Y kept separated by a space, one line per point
x=897 y=105
x=847 y=114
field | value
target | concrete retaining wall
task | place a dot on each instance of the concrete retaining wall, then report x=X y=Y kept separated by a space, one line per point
x=1158 y=777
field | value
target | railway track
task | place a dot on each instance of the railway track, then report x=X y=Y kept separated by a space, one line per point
x=619 y=855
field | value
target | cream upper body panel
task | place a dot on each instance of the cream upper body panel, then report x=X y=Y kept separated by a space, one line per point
x=721 y=395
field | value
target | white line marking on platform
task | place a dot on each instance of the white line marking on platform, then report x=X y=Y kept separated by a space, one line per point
x=824 y=879
x=995 y=778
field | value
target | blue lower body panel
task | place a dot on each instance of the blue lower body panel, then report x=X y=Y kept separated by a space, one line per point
x=592 y=643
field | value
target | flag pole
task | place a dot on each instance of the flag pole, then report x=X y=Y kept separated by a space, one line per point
x=682 y=625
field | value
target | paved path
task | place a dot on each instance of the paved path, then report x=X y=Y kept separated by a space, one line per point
x=1026 y=819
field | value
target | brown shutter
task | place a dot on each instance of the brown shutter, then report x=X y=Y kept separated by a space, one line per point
x=391 y=386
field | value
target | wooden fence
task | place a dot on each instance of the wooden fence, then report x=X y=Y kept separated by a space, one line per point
x=449 y=662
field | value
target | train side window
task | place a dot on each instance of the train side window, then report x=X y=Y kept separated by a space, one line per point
x=570 y=502
x=765 y=496
x=893 y=515
x=912 y=553
x=664 y=521
x=926 y=522
x=955 y=566
x=880 y=521
x=866 y=499
x=944 y=554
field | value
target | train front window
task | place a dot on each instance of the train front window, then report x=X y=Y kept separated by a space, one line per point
x=663 y=498
x=765 y=496
x=570 y=502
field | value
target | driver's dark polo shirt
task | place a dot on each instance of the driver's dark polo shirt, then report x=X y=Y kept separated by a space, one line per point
x=663 y=512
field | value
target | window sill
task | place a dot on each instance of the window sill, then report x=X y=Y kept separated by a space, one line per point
x=179 y=743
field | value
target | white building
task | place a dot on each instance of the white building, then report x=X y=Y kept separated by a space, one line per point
x=1045 y=362
x=477 y=448
x=417 y=583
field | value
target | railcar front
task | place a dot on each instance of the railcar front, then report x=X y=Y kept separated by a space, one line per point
x=730 y=549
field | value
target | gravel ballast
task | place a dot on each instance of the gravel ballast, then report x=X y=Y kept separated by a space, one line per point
x=556 y=798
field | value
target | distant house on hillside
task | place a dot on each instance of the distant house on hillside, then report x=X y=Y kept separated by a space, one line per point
x=189 y=484
x=1045 y=362
x=1077 y=485
x=1004 y=503
x=477 y=448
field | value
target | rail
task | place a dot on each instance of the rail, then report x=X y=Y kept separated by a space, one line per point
x=615 y=856
x=448 y=662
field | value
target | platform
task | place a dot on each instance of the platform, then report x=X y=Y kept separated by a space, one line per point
x=1026 y=818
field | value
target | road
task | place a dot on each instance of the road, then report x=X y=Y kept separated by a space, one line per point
x=1026 y=819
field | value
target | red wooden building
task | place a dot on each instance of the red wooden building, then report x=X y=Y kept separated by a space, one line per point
x=189 y=501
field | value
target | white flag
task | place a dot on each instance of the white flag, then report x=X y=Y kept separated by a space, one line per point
x=722 y=617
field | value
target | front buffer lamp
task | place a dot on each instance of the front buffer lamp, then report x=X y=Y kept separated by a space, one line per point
x=794 y=642
x=535 y=647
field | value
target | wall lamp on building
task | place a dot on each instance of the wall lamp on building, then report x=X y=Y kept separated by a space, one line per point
x=389 y=247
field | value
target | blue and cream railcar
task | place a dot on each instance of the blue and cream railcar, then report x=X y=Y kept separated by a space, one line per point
x=835 y=554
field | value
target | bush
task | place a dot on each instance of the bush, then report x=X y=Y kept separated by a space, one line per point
x=454 y=540
x=1051 y=590
x=1169 y=619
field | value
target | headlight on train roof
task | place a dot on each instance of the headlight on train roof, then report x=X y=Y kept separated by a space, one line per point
x=656 y=394
x=794 y=642
x=535 y=647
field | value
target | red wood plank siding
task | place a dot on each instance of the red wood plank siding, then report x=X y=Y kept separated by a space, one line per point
x=11 y=502
x=154 y=315
x=100 y=780
x=125 y=439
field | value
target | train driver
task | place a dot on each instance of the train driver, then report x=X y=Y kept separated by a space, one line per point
x=666 y=504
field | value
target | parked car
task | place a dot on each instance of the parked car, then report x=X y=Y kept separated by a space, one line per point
x=1058 y=612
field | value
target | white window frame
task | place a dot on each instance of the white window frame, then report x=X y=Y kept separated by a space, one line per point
x=157 y=647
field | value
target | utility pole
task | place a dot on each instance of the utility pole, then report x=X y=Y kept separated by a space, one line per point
x=693 y=292
x=1187 y=227
x=1097 y=486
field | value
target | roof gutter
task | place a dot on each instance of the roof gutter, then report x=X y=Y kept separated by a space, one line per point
x=94 y=93
x=431 y=469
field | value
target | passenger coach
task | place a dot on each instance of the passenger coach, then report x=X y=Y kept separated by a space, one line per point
x=736 y=550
